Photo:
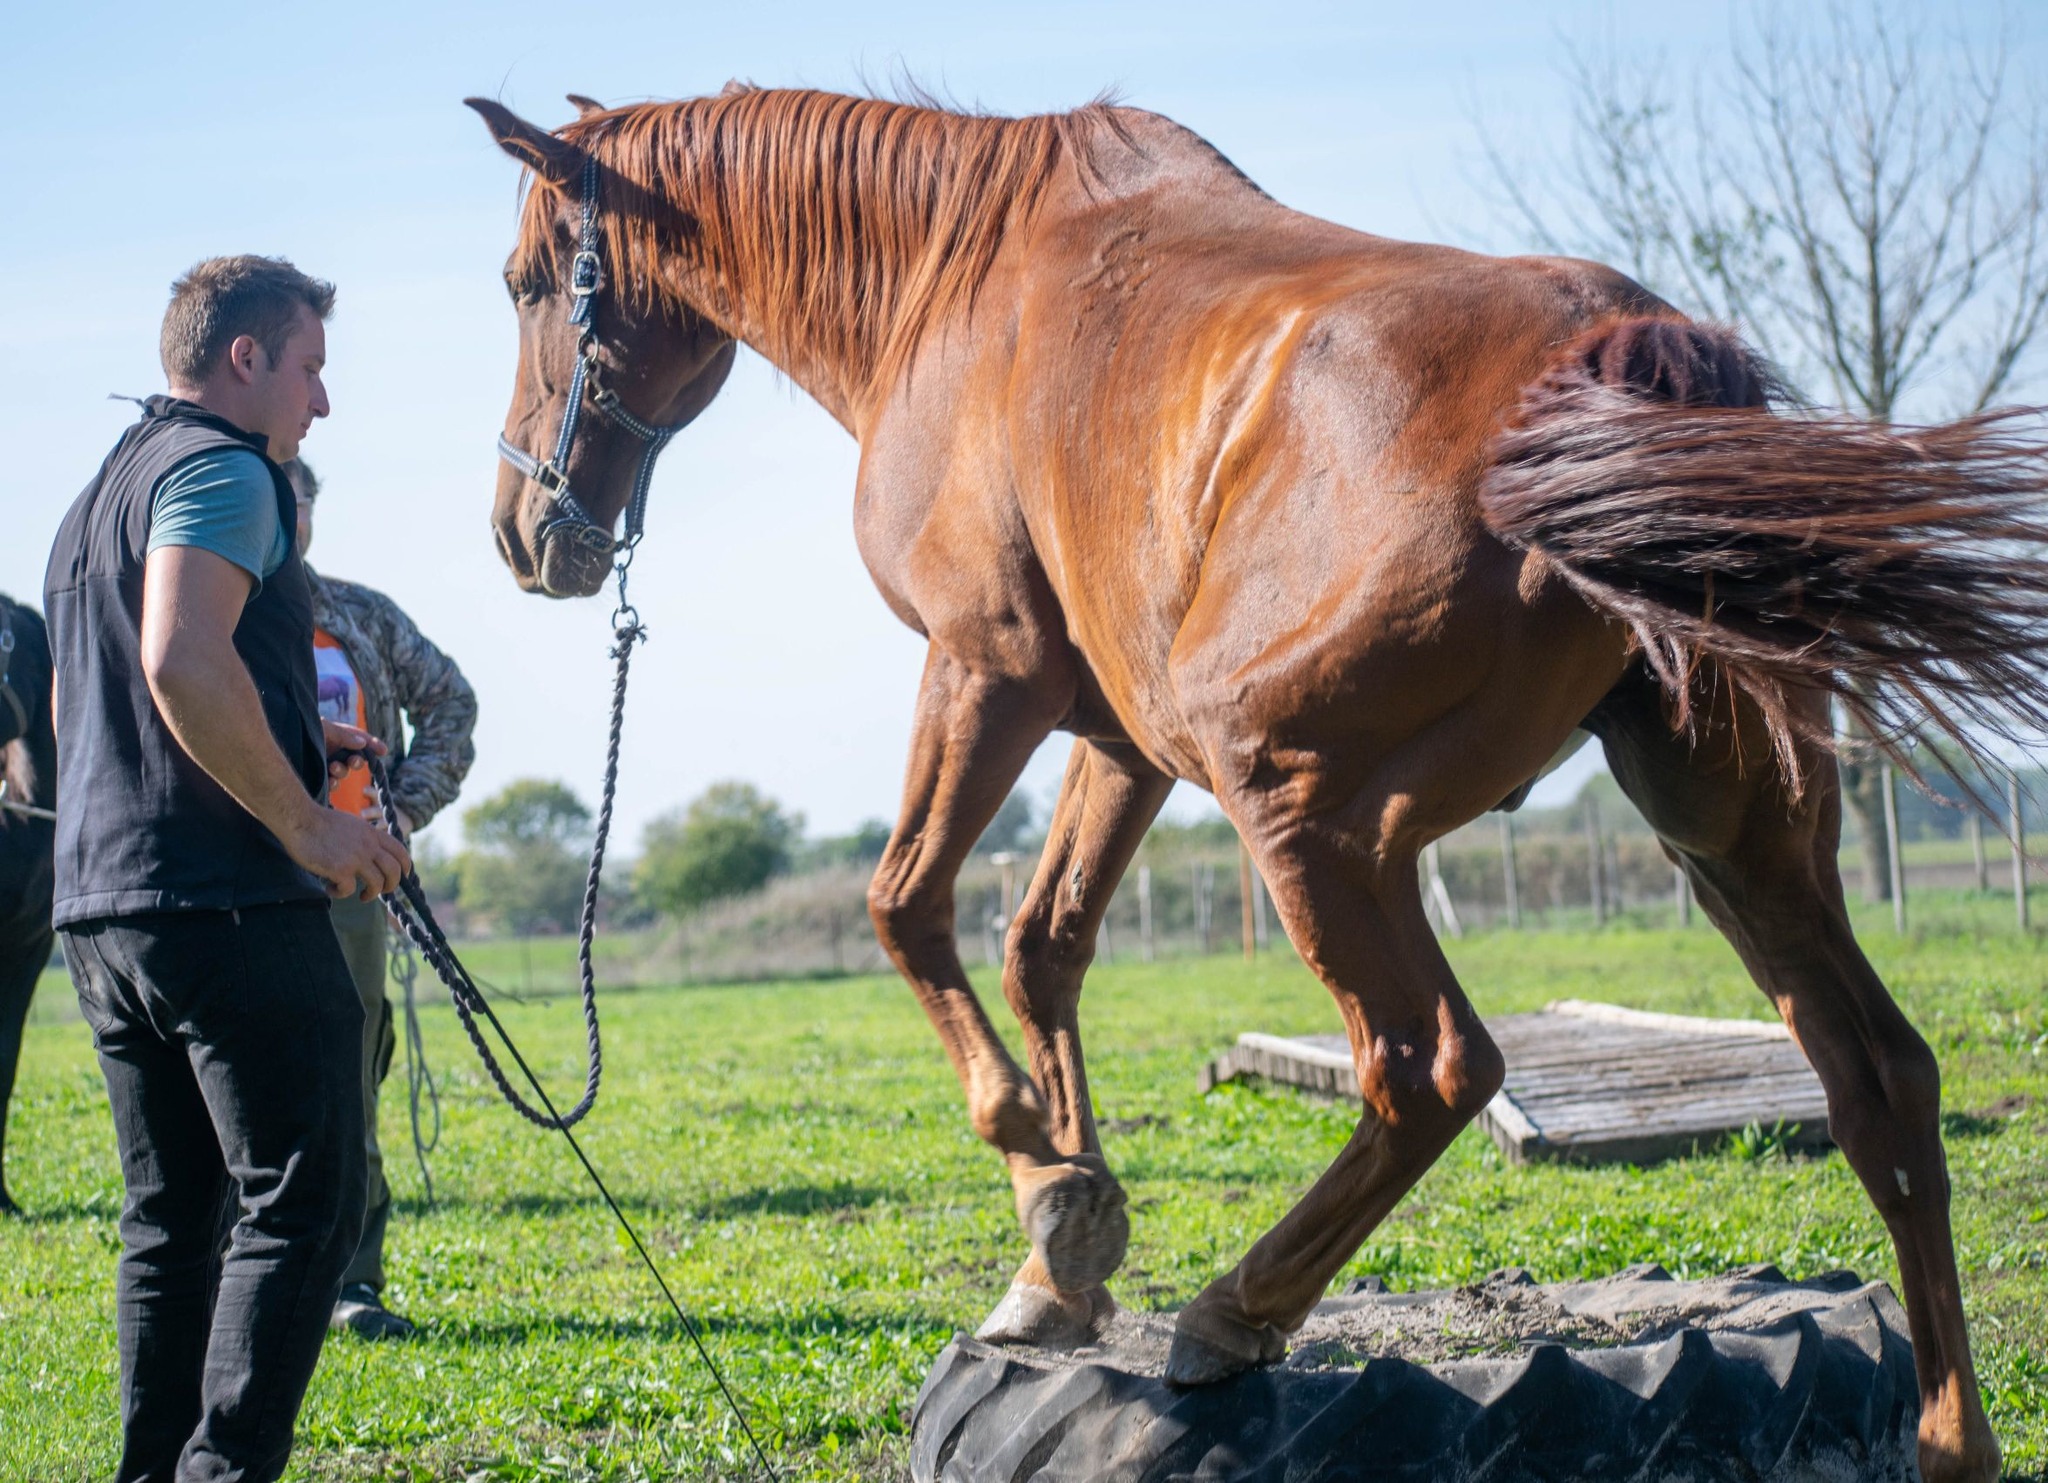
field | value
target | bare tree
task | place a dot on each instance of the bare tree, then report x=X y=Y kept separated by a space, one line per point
x=1870 y=205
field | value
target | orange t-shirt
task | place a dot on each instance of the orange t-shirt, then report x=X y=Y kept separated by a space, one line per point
x=341 y=699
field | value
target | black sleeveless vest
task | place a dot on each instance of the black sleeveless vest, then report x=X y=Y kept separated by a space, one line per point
x=140 y=825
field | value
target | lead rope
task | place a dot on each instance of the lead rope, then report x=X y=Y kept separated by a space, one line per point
x=404 y=966
x=408 y=905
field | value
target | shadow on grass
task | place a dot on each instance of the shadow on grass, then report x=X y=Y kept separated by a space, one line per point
x=67 y=1210
x=825 y=1322
x=799 y=1199
x=796 y=1199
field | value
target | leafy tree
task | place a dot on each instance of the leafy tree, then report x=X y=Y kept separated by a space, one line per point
x=1870 y=205
x=524 y=869
x=864 y=846
x=1010 y=827
x=730 y=840
x=528 y=811
x=440 y=873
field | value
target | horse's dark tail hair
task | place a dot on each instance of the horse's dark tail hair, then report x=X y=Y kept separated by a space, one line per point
x=1902 y=570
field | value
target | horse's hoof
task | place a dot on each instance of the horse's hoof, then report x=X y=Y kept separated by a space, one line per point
x=1031 y=1314
x=1956 y=1442
x=1210 y=1344
x=1074 y=1215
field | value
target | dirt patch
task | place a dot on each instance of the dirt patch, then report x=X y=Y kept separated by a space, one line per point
x=1503 y=1316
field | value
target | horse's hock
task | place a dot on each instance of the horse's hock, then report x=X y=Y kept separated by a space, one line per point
x=1745 y=1376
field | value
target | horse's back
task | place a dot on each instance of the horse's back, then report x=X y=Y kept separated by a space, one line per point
x=1262 y=437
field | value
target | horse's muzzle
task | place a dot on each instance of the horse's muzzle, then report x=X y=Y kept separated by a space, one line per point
x=570 y=568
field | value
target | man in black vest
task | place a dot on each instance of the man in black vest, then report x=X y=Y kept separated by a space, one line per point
x=195 y=859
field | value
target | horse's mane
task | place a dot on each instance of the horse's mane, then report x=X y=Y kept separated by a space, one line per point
x=840 y=227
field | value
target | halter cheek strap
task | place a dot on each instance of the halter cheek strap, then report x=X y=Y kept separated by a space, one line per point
x=570 y=518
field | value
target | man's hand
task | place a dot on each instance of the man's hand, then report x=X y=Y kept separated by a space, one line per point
x=353 y=856
x=374 y=812
x=347 y=746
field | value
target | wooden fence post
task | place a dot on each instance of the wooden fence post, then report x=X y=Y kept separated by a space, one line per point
x=2019 y=847
x=1976 y=822
x=1146 y=950
x=1681 y=892
x=1891 y=835
x=1261 y=935
x=1596 y=873
x=1447 y=914
x=1247 y=926
x=1510 y=883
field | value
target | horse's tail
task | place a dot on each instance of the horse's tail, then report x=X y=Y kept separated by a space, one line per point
x=1903 y=570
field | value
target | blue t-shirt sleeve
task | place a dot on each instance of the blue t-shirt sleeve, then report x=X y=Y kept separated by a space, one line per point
x=222 y=501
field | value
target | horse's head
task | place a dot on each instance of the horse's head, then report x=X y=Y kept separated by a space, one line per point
x=638 y=359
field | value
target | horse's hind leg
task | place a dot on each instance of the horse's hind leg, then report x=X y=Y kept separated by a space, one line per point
x=1109 y=798
x=1345 y=886
x=973 y=734
x=1763 y=867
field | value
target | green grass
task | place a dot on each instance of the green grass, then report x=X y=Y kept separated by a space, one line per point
x=797 y=1156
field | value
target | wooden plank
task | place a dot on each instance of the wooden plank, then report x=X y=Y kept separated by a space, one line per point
x=1595 y=1082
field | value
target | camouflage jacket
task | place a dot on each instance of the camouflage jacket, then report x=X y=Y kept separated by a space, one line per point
x=404 y=678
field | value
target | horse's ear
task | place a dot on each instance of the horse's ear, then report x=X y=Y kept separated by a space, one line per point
x=585 y=106
x=552 y=159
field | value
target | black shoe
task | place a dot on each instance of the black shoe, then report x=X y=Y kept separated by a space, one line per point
x=361 y=1312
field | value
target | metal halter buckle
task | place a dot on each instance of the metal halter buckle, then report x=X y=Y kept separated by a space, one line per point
x=583 y=273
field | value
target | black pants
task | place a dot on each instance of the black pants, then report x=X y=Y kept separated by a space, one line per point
x=360 y=927
x=232 y=1048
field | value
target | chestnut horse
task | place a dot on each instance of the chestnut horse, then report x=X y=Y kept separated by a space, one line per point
x=1350 y=532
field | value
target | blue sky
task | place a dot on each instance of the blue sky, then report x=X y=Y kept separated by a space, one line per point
x=139 y=139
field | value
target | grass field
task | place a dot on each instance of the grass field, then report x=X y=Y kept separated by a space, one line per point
x=797 y=1156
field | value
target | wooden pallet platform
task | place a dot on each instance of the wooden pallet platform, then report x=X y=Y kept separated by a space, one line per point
x=1595 y=1083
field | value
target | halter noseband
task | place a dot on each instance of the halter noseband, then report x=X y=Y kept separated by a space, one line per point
x=570 y=518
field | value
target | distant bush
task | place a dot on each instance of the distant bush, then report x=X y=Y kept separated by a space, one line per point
x=730 y=841
x=524 y=868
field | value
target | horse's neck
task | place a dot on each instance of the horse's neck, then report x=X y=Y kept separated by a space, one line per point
x=859 y=273
x=1129 y=154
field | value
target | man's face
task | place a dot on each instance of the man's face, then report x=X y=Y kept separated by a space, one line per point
x=286 y=394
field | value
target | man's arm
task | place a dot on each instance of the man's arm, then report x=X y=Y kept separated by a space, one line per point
x=192 y=601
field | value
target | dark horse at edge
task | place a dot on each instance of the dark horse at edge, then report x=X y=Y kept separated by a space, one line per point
x=1350 y=532
x=28 y=770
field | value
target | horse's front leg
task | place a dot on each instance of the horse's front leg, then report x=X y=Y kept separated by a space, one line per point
x=1109 y=798
x=973 y=734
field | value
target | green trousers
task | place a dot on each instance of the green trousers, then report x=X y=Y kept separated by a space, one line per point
x=360 y=926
